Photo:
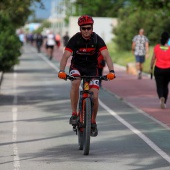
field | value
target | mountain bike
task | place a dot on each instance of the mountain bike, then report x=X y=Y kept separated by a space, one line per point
x=83 y=126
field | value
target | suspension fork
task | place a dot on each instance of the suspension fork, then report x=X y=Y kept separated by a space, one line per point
x=83 y=96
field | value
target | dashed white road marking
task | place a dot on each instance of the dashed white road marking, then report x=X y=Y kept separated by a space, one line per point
x=50 y=63
x=16 y=159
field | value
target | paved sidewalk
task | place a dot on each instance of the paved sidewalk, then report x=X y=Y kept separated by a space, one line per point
x=138 y=93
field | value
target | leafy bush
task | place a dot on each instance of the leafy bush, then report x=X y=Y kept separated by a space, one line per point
x=9 y=44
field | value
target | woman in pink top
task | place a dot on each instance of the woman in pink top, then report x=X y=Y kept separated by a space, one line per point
x=161 y=60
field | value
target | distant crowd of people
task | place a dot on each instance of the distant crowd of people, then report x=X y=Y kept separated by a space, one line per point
x=50 y=40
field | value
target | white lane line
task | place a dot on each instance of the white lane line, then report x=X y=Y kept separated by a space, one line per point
x=50 y=63
x=16 y=159
x=137 y=132
x=163 y=154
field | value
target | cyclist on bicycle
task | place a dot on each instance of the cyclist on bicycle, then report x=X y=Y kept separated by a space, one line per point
x=84 y=47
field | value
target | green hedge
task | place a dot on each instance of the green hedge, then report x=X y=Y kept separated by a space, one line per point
x=9 y=44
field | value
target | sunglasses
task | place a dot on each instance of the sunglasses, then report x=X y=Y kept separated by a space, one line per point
x=86 y=28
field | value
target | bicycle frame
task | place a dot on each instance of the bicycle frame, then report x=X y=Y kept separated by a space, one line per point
x=84 y=93
x=83 y=127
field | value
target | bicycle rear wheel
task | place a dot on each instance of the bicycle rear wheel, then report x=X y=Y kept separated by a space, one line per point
x=87 y=121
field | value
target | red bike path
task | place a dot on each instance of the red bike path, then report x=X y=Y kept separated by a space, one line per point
x=139 y=93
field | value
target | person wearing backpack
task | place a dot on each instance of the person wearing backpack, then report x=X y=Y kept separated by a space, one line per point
x=84 y=47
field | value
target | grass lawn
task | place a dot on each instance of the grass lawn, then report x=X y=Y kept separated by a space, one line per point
x=124 y=57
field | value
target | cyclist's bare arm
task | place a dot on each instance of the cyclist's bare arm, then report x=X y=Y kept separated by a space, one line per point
x=108 y=59
x=64 y=59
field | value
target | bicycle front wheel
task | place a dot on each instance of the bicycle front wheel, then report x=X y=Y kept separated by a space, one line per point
x=80 y=138
x=87 y=120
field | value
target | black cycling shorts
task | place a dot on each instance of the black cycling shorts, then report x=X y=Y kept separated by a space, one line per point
x=76 y=71
x=84 y=71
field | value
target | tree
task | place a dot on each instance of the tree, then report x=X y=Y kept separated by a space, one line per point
x=153 y=16
x=98 y=8
x=9 y=44
x=13 y=14
x=94 y=8
x=18 y=10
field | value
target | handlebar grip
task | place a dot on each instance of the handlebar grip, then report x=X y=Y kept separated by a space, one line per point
x=104 y=78
x=70 y=78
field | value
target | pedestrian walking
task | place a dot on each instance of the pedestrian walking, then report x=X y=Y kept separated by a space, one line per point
x=65 y=39
x=161 y=61
x=50 y=43
x=140 y=49
x=21 y=36
x=39 y=42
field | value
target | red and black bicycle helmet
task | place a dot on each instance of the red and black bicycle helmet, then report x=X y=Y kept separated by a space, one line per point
x=85 y=20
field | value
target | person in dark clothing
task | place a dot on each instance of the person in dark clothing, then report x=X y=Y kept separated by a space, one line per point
x=84 y=47
x=39 y=42
x=65 y=39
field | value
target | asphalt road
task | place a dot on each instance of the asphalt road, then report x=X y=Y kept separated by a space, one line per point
x=35 y=133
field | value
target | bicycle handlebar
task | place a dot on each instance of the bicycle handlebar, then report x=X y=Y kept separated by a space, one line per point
x=104 y=77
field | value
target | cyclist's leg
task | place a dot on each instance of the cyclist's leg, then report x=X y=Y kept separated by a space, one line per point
x=94 y=130
x=74 y=95
x=94 y=87
x=96 y=104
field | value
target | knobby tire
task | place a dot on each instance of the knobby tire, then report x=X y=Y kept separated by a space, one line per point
x=80 y=139
x=87 y=129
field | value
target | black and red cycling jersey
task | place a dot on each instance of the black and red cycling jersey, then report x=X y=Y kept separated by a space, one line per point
x=85 y=52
